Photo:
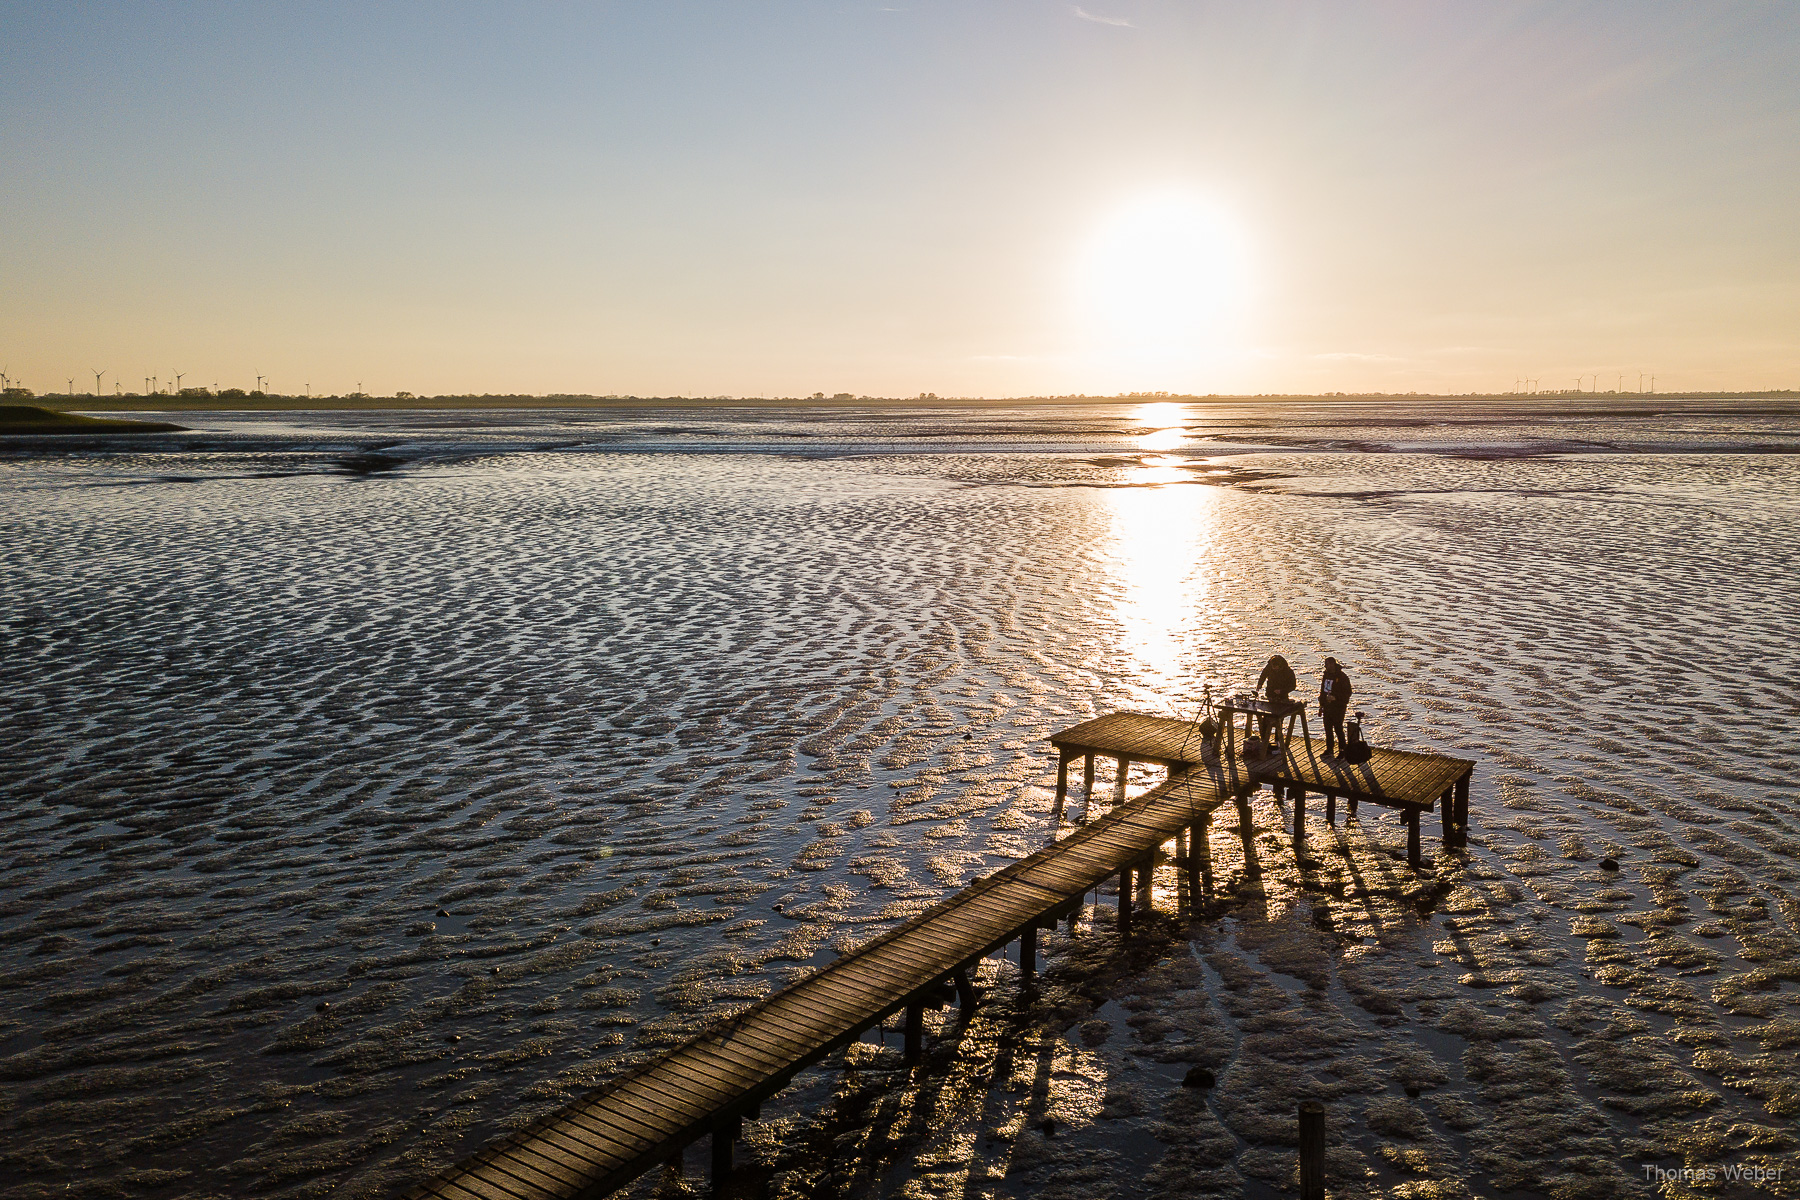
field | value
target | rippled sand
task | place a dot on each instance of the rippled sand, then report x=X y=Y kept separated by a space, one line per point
x=377 y=782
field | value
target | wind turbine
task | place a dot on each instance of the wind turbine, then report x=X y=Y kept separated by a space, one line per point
x=71 y=387
x=178 y=375
x=259 y=386
x=97 y=375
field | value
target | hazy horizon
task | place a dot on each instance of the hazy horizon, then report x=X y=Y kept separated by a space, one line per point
x=1026 y=199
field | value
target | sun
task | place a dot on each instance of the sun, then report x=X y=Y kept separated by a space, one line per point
x=1168 y=270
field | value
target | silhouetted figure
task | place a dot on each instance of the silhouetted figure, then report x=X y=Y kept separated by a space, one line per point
x=1334 y=699
x=1277 y=683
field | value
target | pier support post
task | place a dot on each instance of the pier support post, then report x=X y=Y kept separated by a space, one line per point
x=1447 y=809
x=1125 y=901
x=1087 y=784
x=1312 y=1150
x=1352 y=799
x=1028 y=953
x=724 y=1140
x=1119 y=783
x=915 y=1033
x=1298 y=795
x=1331 y=809
x=1062 y=785
x=1199 y=849
x=1412 y=836
x=965 y=990
x=1462 y=811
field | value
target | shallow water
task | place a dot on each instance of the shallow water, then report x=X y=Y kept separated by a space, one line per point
x=377 y=781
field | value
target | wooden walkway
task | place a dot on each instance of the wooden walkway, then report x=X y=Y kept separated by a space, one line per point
x=708 y=1085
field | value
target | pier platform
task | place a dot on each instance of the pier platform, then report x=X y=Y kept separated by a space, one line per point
x=709 y=1085
x=1407 y=780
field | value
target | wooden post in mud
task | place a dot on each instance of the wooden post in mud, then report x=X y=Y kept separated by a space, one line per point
x=1028 y=953
x=1312 y=1150
x=915 y=1032
x=724 y=1139
x=1119 y=784
x=1125 y=902
x=1087 y=785
x=1412 y=836
x=1331 y=809
x=1462 y=810
x=1447 y=809
x=1298 y=795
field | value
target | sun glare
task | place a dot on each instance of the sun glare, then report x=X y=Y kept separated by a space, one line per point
x=1165 y=271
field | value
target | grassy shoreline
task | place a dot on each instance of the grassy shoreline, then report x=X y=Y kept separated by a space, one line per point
x=31 y=419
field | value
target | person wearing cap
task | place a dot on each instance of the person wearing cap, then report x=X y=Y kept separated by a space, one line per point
x=1334 y=699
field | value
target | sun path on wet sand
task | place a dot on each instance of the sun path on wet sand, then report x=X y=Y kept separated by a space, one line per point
x=709 y=1085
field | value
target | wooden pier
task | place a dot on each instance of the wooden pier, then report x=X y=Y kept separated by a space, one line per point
x=709 y=1085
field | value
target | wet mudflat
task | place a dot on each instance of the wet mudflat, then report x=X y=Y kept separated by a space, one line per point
x=373 y=787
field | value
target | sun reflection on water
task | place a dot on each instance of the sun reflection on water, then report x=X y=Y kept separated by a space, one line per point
x=1168 y=426
x=1164 y=540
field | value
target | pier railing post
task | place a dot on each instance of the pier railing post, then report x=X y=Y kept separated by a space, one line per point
x=1312 y=1150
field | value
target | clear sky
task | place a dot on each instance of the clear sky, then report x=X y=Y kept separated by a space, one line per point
x=973 y=197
